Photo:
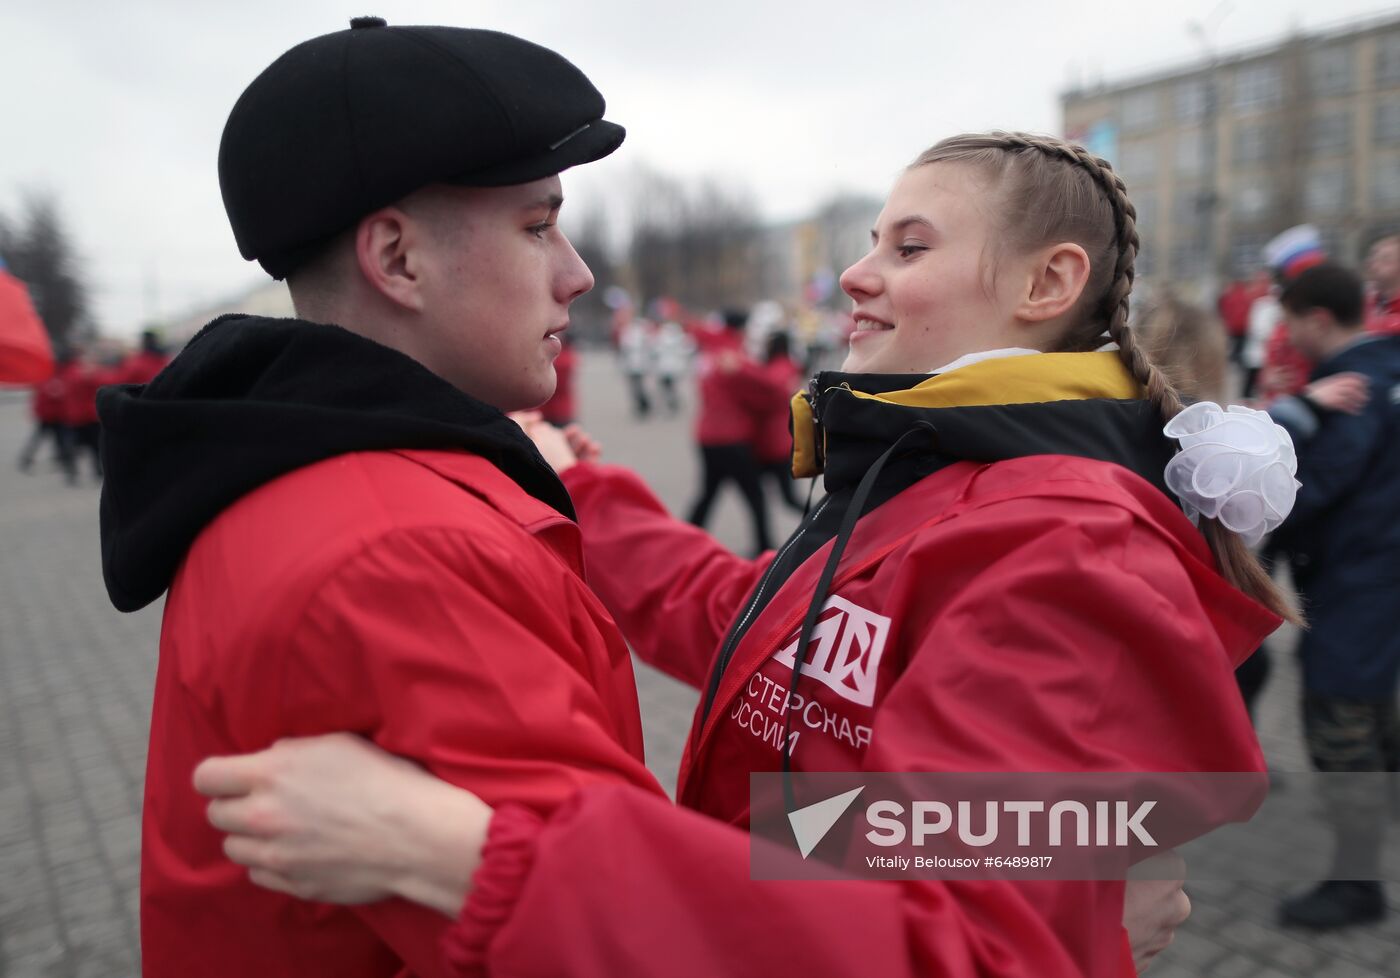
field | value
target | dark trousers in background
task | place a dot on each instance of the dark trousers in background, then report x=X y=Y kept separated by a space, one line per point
x=1356 y=736
x=669 y=393
x=87 y=439
x=1251 y=676
x=641 y=403
x=1253 y=673
x=736 y=464
x=1237 y=349
x=1251 y=378
x=62 y=437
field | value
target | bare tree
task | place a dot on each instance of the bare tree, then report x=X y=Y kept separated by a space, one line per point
x=700 y=245
x=658 y=211
x=589 y=236
x=845 y=222
x=40 y=253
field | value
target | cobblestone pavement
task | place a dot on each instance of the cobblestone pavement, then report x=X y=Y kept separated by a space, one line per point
x=75 y=693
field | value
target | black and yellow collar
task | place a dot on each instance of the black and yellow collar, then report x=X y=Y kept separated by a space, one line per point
x=1032 y=379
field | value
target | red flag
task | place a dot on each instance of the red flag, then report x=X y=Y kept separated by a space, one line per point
x=25 y=354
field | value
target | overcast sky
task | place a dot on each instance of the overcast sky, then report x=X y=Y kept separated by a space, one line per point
x=117 y=108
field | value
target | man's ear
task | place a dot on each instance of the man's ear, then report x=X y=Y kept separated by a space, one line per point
x=386 y=244
x=1058 y=275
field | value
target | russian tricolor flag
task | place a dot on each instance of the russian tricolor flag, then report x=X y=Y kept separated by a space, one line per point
x=1294 y=250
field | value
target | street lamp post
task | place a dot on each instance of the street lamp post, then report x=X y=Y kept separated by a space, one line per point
x=1208 y=199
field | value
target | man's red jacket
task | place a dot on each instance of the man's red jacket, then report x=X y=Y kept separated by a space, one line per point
x=348 y=543
x=419 y=598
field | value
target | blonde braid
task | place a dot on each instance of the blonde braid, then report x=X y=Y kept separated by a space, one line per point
x=1160 y=392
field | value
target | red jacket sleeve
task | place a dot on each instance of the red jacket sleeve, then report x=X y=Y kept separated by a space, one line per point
x=621 y=883
x=480 y=674
x=673 y=589
x=1072 y=638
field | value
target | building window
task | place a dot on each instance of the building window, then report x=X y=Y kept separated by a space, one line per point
x=1388 y=59
x=1329 y=132
x=1255 y=142
x=1251 y=201
x=1139 y=159
x=1385 y=182
x=1191 y=98
x=1190 y=153
x=1188 y=206
x=1327 y=189
x=1331 y=70
x=1140 y=110
x=1388 y=122
x=1257 y=85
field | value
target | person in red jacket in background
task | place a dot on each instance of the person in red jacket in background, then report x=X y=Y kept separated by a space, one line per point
x=1234 y=310
x=50 y=410
x=996 y=580
x=772 y=447
x=732 y=394
x=83 y=378
x=142 y=365
x=560 y=409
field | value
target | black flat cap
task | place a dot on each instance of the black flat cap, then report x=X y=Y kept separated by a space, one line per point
x=349 y=122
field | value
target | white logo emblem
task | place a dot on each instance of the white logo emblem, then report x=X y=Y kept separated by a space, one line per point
x=811 y=824
x=845 y=650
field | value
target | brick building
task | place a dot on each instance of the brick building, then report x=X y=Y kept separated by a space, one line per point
x=1220 y=155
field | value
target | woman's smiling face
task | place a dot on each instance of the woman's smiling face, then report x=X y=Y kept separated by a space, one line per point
x=922 y=295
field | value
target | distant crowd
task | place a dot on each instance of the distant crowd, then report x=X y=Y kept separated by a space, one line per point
x=65 y=406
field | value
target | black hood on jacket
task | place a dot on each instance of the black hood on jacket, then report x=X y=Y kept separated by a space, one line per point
x=858 y=430
x=251 y=399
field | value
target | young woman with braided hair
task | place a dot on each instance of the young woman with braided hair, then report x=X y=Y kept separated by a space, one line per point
x=998 y=579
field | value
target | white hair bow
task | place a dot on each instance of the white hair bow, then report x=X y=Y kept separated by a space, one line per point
x=1235 y=465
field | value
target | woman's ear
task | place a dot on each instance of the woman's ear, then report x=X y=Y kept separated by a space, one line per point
x=1058 y=275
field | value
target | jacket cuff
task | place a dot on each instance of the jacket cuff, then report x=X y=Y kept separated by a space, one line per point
x=506 y=860
x=578 y=472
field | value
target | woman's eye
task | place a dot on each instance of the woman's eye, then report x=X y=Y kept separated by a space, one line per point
x=909 y=250
x=539 y=230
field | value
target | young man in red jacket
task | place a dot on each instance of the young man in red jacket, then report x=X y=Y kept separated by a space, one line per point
x=352 y=533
